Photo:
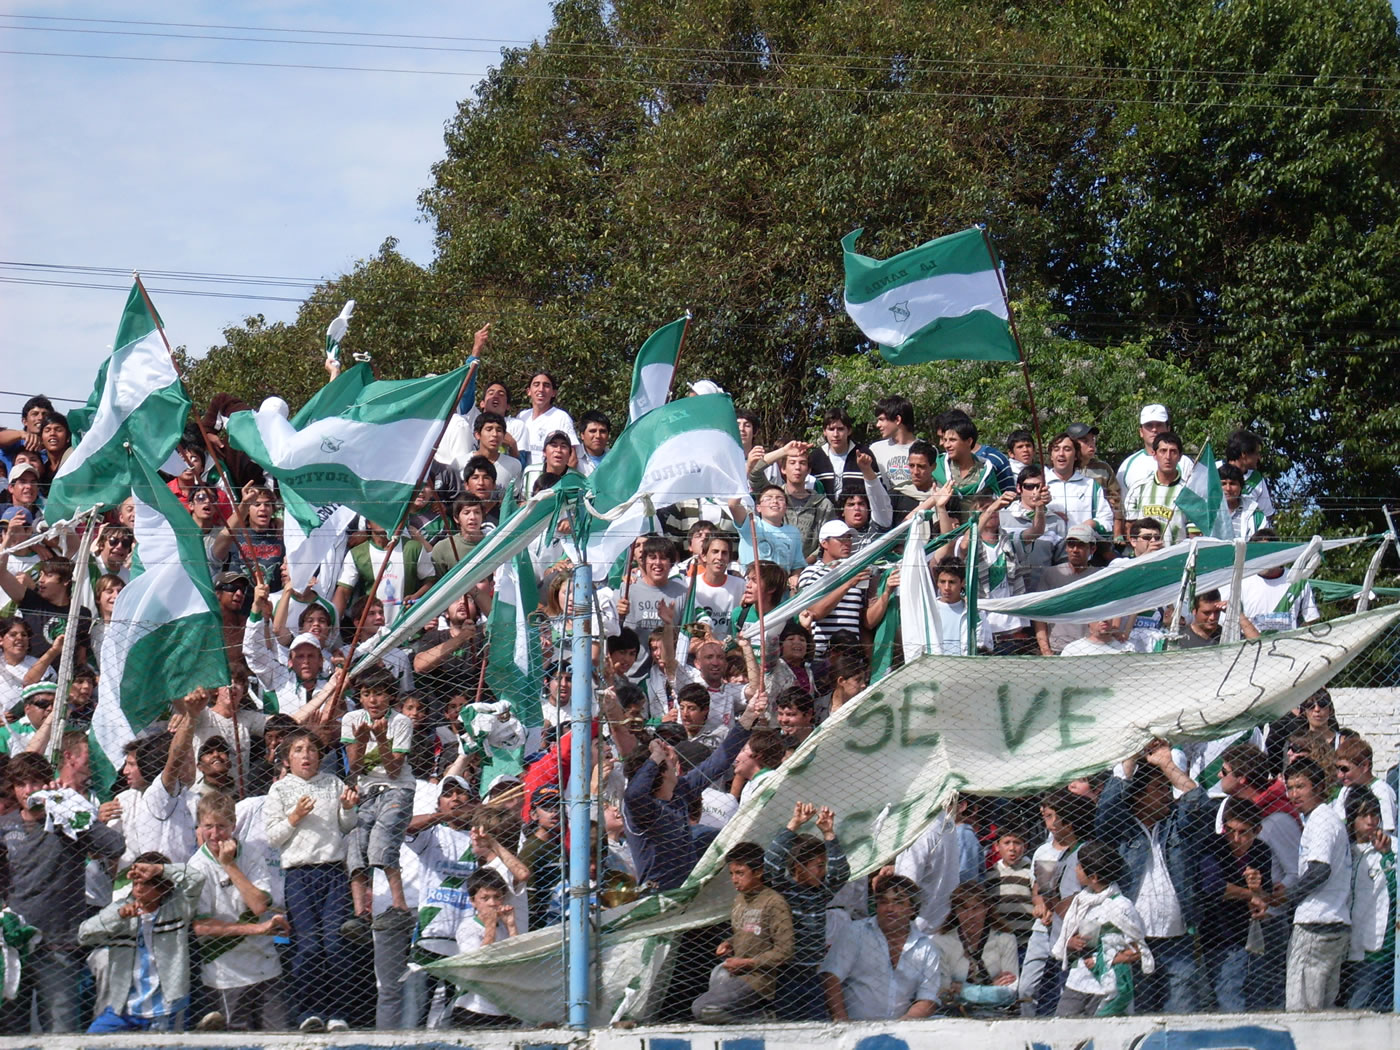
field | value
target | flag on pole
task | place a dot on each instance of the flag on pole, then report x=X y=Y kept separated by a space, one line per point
x=366 y=454
x=1201 y=501
x=335 y=331
x=940 y=301
x=655 y=366
x=138 y=400
x=684 y=450
x=166 y=637
x=514 y=657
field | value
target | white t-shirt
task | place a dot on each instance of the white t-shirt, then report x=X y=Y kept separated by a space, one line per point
x=250 y=829
x=1325 y=839
x=250 y=960
x=642 y=600
x=717 y=604
x=1260 y=597
x=1088 y=647
x=893 y=460
x=952 y=628
x=400 y=738
x=537 y=428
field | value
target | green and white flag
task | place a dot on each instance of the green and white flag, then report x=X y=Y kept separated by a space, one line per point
x=1201 y=501
x=685 y=450
x=940 y=301
x=655 y=366
x=514 y=658
x=366 y=455
x=335 y=331
x=138 y=400
x=166 y=636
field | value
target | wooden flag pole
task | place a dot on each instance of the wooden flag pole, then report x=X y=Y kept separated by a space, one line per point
x=680 y=348
x=1020 y=350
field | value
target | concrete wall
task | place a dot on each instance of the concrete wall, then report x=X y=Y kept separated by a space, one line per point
x=1325 y=1031
x=1375 y=714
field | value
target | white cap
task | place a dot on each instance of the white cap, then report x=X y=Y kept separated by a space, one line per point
x=706 y=386
x=834 y=530
x=1152 y=414
x=305 y=638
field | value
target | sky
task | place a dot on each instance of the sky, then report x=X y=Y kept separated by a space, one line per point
x=203 y=168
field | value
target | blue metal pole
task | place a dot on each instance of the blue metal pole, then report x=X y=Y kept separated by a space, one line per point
x=580 y=839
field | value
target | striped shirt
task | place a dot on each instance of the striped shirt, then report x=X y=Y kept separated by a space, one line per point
x=145 y=999
x=1152 y=499
x=1012 y=888
x=845 y=617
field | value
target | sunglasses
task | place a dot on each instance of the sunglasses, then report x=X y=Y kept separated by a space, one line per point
x=201 y=497
x=42 y=704
x=1032 y=488
x=1308 y=705
x=231 y=587
x=1341 y=768
x=119 y=541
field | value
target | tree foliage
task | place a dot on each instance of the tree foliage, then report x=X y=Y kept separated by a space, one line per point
x=1195 y=202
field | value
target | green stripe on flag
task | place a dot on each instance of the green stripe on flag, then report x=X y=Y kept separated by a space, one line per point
x=654 y=368
x=940 y=301
x=514 y=655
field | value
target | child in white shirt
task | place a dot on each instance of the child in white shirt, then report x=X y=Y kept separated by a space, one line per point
x=1100 y=940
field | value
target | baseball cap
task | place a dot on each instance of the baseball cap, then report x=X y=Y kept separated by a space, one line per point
x=454 y=780
x=38 y=688
x=230 y=576
x=1152 y=414
x=556 y=434
x=833 y=530
x=1084 y=533
x=305 y=638
x=545 y=797
x=1080 y=430
x=706 y=386
x=19 y=470
x=14 y=510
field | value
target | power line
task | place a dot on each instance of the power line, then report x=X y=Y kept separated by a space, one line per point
x=608 y=49
x=692 y=85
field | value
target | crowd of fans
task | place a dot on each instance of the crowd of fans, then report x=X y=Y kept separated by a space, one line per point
x=290 y=850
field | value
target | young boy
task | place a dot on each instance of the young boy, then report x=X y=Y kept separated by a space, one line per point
x=235 y=925
x=807 y=872
x=492 y=920
x=952 y=610
x=1010 y=882
x=309 y=814
x=761 y=943
x=1102 y=937
x=377 y=740
x=147 y=936
x=540 y=853
x=778 y=541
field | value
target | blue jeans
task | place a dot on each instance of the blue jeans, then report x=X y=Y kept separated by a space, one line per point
x=1366 y=985
x=1227 y=969
x=1170 y=988
x=111 y=1021
x=379 y=829
x=318 y=901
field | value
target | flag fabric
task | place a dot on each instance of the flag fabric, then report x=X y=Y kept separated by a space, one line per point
x=166 y=637
x=138 y=400
x=1130 y=585
x=654 y=368
x=366 y=455
x=335 y=331
x=514 y=657
x=685 y=450
x=940 y=301
x=1201 y=502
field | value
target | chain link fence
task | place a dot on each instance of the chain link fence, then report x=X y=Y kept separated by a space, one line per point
x=835 y=834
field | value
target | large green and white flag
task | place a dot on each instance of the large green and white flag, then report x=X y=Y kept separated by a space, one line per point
x=655 y=367
x=1130 y=585
x=138 y=401
x=1201 y=501
x=335 y=331
x=685 y=450
x=366 y=454
x=514 y=657
x=166 y=637
x=940 y=301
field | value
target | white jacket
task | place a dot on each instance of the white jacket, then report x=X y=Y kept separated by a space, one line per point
x=1075 y=501
x=1370 y=901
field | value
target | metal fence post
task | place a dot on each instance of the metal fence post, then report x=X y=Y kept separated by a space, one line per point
x=580 y=840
